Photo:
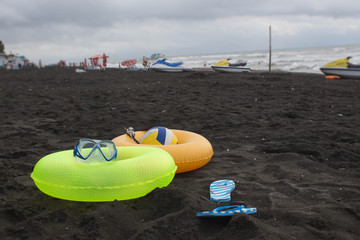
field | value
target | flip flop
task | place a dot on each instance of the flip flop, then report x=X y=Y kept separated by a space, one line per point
x=226 y=211
x=220 y=190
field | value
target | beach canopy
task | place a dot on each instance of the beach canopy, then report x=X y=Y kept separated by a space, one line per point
x=96 y=56
x=95 y=59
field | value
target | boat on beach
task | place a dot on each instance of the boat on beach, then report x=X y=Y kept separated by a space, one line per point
x=342 y=68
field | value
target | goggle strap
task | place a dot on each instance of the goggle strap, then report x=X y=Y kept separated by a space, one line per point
x=133 y=137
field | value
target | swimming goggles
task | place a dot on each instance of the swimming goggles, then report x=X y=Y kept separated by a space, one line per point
x=88 y=149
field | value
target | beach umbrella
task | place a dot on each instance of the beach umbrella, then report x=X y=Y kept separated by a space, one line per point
x=156 y=56
x=129 y=62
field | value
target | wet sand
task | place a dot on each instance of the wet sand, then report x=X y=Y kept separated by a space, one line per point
x=290 y=141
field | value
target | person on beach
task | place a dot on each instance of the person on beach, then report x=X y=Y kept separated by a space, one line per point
x=145 y=62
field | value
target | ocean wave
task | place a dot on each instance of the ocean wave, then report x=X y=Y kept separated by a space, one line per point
x=297 y=60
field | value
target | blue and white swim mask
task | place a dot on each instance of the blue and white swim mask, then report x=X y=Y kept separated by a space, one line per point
x=89 y=150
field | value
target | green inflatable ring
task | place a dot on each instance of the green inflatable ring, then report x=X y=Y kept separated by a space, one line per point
x=135 y=172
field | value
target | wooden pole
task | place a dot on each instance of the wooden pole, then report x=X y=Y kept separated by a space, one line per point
x=270 y=49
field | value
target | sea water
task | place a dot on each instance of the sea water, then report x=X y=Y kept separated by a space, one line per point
x=294 y=60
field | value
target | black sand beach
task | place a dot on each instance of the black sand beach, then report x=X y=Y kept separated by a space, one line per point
x=290 y=141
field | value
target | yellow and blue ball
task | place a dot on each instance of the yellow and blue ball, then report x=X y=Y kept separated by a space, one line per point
x=159 y=136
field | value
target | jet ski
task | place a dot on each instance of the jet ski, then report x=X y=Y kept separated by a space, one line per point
x=342 y=68
x=163 y=66
x=238 y=63
x=225 y=66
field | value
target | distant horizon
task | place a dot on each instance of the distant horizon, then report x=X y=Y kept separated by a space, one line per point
x=245 y=51
x=188 y=55
x=185 y=55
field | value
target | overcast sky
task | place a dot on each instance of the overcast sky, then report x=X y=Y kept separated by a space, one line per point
x=72 y=30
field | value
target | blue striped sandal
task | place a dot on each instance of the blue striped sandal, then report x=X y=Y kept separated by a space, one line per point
x=226 y=211
x=220 y=190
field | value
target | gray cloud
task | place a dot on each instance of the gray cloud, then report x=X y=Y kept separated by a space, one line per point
x=101 y=13
x=50 y=29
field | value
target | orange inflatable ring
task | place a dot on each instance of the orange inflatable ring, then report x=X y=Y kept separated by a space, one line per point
x=193 y=151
